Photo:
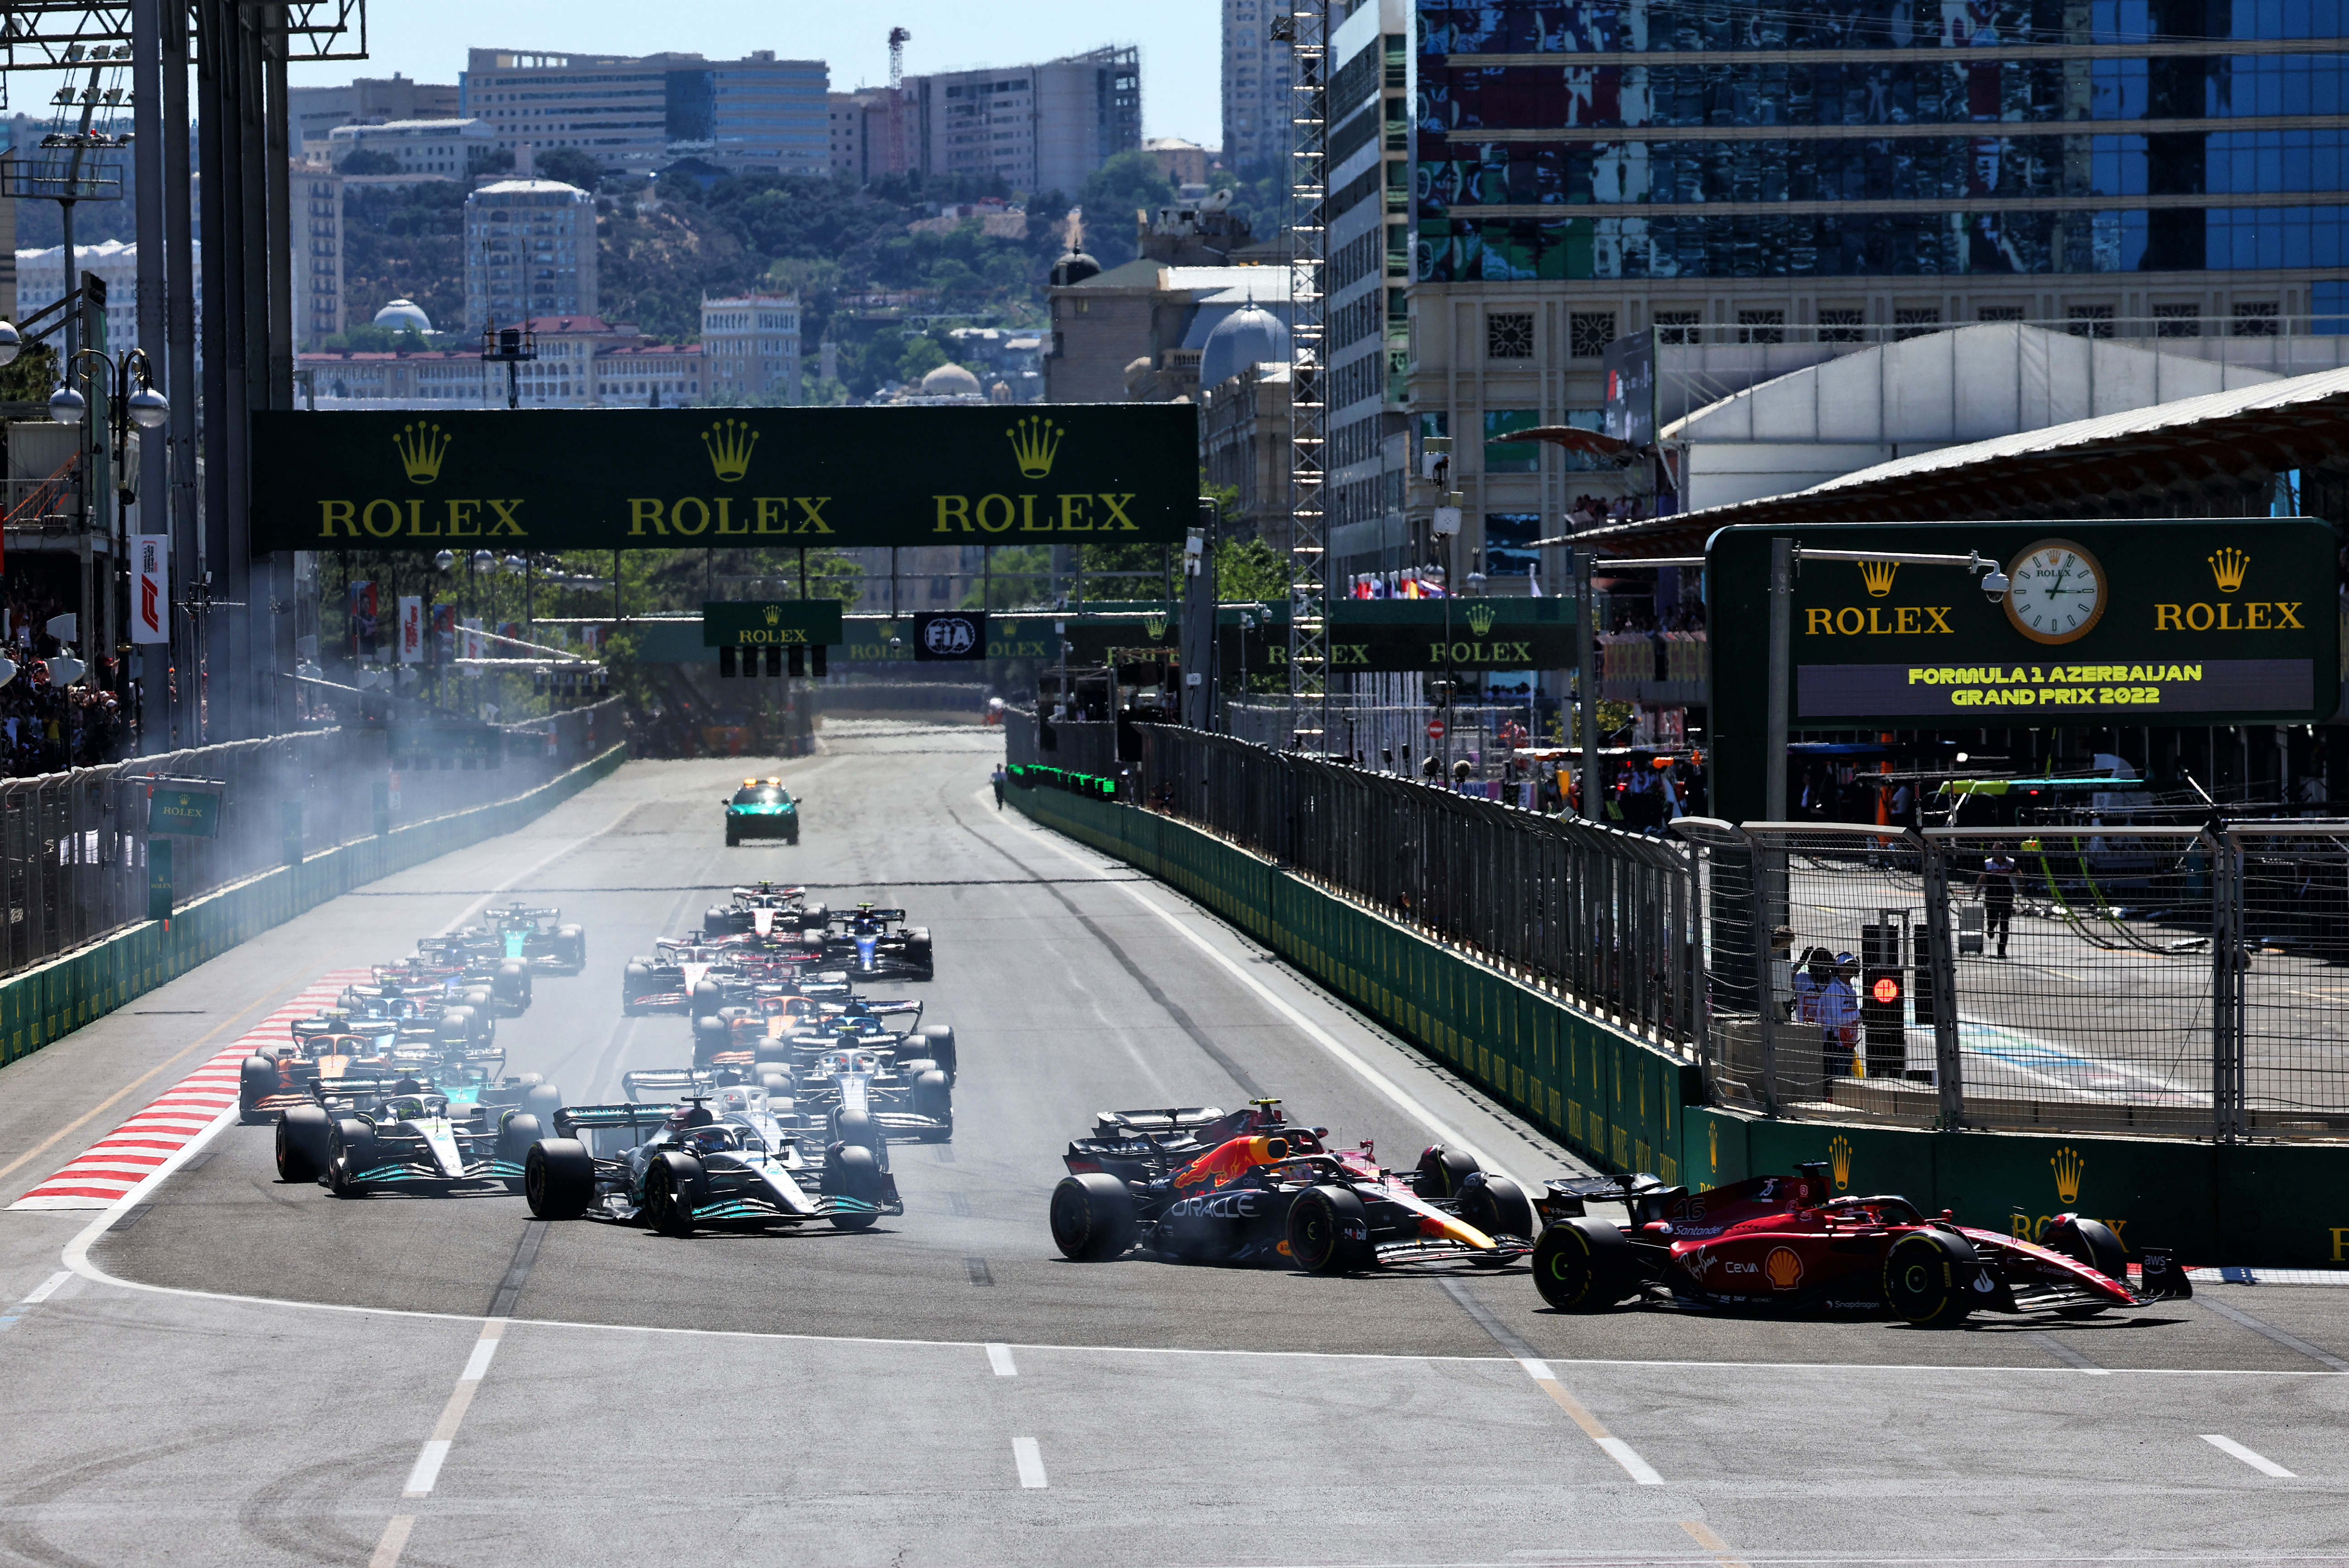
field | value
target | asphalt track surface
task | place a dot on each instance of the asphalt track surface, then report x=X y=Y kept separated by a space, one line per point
x=238 y=1371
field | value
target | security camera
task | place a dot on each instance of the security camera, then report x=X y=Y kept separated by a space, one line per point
x=1994 y=586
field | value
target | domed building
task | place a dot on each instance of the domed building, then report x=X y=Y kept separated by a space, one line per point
x=1074 y=268
x=1249 y=335
x=951 y=382
x=401 y=314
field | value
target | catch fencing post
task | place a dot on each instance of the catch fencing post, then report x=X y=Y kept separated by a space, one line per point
x=2227 y=960
x=1941 y=956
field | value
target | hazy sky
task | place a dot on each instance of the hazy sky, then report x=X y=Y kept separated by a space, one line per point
x=427 y=39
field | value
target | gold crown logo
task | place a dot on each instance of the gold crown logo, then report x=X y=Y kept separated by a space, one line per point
x=1156 y=625
x=421 y=447
x=729 y=444
x=1878 y=576
x=1712 y=1147
x=1035 y=442
x=774 y=614
x=1480 y=618
x=2229 y=566
x=2068 y=1165
x=1839 y=1161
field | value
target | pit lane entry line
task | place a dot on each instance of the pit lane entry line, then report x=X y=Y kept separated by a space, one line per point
x=1385 y=1086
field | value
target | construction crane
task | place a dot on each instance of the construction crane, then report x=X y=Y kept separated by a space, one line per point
x=898 y=38
x=900 y=161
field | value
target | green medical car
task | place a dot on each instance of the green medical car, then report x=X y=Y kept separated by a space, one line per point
x=761 y=808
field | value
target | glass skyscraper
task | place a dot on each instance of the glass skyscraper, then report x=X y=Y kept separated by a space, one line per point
x=1849 y=170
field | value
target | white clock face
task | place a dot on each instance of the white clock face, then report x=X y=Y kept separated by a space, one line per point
x=2058 y=592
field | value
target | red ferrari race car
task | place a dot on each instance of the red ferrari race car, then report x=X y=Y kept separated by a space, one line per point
x=1781 y=1243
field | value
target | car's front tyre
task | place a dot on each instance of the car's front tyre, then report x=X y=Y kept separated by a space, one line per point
x=1929 y=1279
x=1329 y=1231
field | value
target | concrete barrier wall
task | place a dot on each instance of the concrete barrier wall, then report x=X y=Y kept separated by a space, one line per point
x=1628 y=1105
x=41 y=1005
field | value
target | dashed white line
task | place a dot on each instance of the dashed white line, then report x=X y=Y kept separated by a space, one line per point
x=2259 y=1462
x=394 y=1541
x=428 y=1468
x=47 y=1288
x=999 y=1356
x=1613 y=1446
x=1030 y=1460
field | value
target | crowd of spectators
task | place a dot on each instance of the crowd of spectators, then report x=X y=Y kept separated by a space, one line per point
x=45 y=728
x=1592 y=511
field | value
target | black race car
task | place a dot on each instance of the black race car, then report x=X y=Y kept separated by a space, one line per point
x=763 y=908
x=1197 y=1185
x=877 y=944
x=365 y=1134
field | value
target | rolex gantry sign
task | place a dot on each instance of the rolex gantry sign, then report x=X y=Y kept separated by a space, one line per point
x=651 y=479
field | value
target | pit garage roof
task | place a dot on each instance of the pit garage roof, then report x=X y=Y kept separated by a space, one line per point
x=2113 y=465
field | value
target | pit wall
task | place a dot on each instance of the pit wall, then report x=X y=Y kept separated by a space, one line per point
x=41 y=1005
x=1626 y=1105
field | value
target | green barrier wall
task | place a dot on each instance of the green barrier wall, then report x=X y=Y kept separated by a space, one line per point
x=1609 y=1097
x=40 y=1004
x=1628 y=1105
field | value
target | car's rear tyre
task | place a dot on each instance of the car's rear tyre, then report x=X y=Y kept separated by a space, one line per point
x=707 y=1000
x=771 y=1052
x=733 y=839
x=938 y=1045
x=853 y=1172
x=350 y=1149
x=635 y=980
x=1929 y=1279
x=558 y=1178
x=256 y=1080
x=1328 y=1233
x=303 y=1133
x=674 y=1185
x=1093 y=1218
x=512 y=983
x=776 y=1079
x=1583 y=1265
x=1497 y=1207
x=572 y=943
x=711 y=1034
x=520 y=1134
x=858 y=1130
x=933 y=1098
x=1444 y=1172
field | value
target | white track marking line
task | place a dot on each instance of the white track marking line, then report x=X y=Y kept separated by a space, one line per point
x=999 y=1356
x=1704 y=1537
x=1386 y=1086
x=46 y=1288
x=1613 y=1446
x=2259 y=1462
x=1030 y=1460
x=427 y=1470
x=394 y=1541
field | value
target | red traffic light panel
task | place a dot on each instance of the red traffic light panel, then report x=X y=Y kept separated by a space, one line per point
x=1886 y=990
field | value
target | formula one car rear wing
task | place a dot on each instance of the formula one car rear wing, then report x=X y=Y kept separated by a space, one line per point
x=672 y=1081
x=569 y=1120
x=1152 y=1123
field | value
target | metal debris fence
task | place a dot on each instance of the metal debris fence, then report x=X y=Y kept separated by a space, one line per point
x=1604 y=917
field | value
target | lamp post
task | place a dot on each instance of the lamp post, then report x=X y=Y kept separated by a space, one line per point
x=1445 y=524
x=144 y=408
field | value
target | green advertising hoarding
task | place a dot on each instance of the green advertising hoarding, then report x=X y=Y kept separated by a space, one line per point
x=778 y=623
x=2211 y=621
x=189 y=813
x=621 y=479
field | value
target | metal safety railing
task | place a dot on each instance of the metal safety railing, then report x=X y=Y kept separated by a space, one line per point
x=2146 y=981
x=1603 y=917
x=73 y=845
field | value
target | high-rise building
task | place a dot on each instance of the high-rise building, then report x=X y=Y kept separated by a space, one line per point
x=530 y=251
x=1037 y=127
x=868 y=139
x=750 y=345
x=1365 y=286
x=1259 y=71
x=314 y=111
x=638 y=114
x=317 y=217
x=437 y=149
x=1844 y=173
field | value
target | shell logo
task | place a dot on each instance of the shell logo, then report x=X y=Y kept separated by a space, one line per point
x=1783 y=1268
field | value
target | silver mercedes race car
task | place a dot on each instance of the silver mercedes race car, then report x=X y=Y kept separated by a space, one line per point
x=366 y=1133
x=683 y=1166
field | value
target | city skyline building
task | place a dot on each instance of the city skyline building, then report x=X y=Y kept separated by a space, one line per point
x=312 y=112
x=1258 y=73
x=1851 y=173
x=441 y=149
x=750 y=344
x=1037 y=127
x=638 y=114
x=530 y=251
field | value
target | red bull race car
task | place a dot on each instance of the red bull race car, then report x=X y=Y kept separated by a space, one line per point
x=1197 y=1185
x=1785 y=1244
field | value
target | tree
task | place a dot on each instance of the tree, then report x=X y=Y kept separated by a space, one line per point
x=479 y=161
x=571 y=167
x=367 y=160
x=1127 y=184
